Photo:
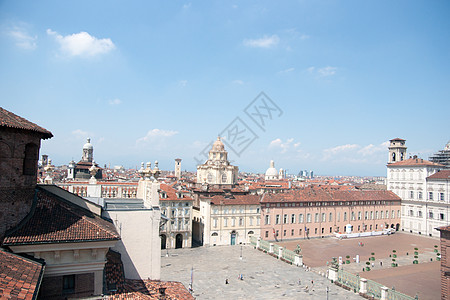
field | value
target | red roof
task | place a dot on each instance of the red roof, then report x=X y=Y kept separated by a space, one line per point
x=171 y=193
x=57 y=221
x=442 y=174
x=153 y=289
x=8 y=119
x=235 y=200
x=323 y=195
x=20 y=277
x=415 y=162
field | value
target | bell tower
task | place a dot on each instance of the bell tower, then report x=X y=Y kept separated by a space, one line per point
x=178 y=168
x=397 y=150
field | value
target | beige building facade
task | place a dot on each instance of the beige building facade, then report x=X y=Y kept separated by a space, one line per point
x=230 y=220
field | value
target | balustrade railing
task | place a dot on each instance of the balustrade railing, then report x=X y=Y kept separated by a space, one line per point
x=265 y=245
x=374 y=289
x=394 y=295
x=289 y=255
x=349 y=280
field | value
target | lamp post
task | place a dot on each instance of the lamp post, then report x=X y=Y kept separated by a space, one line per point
x=240 y=257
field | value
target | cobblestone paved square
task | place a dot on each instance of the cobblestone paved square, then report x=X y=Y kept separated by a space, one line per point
x=265 y=277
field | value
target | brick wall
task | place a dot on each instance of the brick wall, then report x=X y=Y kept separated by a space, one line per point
x=445 y=266
x=16 y=188
x=52 y=287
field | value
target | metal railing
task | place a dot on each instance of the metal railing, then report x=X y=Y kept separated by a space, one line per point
x=394 y=295
x=276 y=249
x=374 y=288
x=264 y=245
x=349 y=280
x=288 y=255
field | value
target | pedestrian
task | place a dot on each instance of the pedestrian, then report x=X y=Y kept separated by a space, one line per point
x=299 y=282
x=381 y=263
x=373 y=265
x=226 y=281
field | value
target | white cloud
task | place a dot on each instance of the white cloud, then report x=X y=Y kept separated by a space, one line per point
x=22 y=38
x=239 y=82
x=327 y=71
x=304 y=36
x=80 y=133
x=286 y=71
x=115 y=101
x=82 y=44
x=284 y=146
x=265 y=42
x=353 y=153
x=155 y=134
x=373 y=149
x=323 y=72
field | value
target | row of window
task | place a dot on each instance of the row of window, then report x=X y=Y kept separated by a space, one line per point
x=316 y=230
x=431 y=215
x=233 y=210
x=177 y=224
x=233 y=222
x=177 y=212
x=318 y=218
x=431 y=196
x=331 y=203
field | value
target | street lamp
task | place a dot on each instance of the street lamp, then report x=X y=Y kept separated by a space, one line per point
x=240 y=257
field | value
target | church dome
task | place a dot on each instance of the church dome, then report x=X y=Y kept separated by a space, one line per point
x=271 y=171
x=88 y=145
x=218 y=145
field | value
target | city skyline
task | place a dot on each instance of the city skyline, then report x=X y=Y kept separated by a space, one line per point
x=157 y=81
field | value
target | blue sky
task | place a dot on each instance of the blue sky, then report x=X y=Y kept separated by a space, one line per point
x=157 y=80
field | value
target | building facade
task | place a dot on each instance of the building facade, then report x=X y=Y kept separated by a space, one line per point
x=320 y=212
x=445 y=262
x=412 y=180
x=177 y=207
x=230 y=219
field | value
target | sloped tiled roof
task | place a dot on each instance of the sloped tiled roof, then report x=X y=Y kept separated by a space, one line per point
x=235 y=200
x=171 y=193
x=322 y=195
x=153 y=289
x=57 y=221
x=20 y=277
x=442 y=174
x=8 y=119
x=414 y=162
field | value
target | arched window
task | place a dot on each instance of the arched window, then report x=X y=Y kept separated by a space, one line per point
x=214 y=234
x=251 y=232
x=224 y=177
x=30 y=160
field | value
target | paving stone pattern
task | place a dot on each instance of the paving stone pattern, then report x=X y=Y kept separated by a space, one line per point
x=265 y=277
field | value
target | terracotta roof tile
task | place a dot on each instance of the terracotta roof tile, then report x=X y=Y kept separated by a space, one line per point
x=153 y=289
x=56 y=221
x=171 y=193
x=442 y=174
x=8 y=119
x=20 y=277
x=415 y=162
x=323 y=195
x=235 y=200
